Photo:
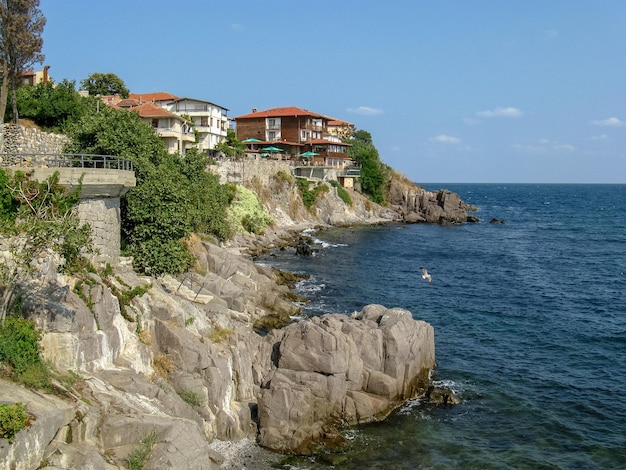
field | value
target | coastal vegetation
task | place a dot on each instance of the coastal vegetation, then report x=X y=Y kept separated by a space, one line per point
x=309 y=196
x=13 y=418
x=104 y=84
x=341 y=192
x=51 y=105
x=21 y=27
x=174 y=196
x=140 y=454
x=246 y=214
x=374 y=173
x=39 y=216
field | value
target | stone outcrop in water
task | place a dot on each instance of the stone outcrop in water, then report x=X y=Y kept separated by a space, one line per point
x=415 y=204
x=337 y=370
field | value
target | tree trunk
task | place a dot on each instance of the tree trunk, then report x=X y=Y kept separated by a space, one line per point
x=4 y=93
x=16 y=118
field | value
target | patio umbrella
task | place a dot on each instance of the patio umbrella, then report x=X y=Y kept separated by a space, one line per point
x=271 y=149
x=308 y=154
x=251 y=140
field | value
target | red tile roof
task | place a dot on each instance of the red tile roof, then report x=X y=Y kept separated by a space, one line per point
x=127 y=103
x=152 y=97
x=288 y=111
x=327 y=142
x=337 y=122
x=151 y=110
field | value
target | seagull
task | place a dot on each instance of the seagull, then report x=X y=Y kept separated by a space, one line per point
x=426 y=276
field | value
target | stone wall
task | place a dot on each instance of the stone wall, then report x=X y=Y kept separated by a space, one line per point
x=103 y=215
x=247 y=169
x=19 y=139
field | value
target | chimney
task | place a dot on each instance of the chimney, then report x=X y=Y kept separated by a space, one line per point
x=254 y=110
x=45 y=73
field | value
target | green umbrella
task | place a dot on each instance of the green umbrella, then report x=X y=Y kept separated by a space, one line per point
x=251 y=140
x=308 y=154
x=271 y=149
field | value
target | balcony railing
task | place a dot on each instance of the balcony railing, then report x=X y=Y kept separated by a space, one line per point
x=65 y=160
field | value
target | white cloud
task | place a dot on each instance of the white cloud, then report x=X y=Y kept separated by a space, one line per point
x=471 y=121
x=543 y=146
x=237 y=27
x=445 y=139
x=610 y=122
x=509 y=112
x=365 y=111
x=566 y=147
x=601 y=137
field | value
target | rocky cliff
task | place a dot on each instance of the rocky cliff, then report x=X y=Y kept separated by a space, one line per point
x=207 y=357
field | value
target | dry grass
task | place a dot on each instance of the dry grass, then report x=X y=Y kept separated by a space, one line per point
x=403 y=180
x=219 y=334
x=145 y=338
x=163 y=365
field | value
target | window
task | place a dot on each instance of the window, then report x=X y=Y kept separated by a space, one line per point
x=204 y=121
x=271 y=135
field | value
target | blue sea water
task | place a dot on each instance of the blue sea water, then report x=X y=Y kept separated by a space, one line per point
x=530 y=327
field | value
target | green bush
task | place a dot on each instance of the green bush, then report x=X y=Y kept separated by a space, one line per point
x=309 y=196
x=341 y=192
x=19 y=344
x=13 y=419
x=8 y=204
x=246 y=212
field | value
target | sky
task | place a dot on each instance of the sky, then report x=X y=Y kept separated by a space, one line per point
x=452 y=91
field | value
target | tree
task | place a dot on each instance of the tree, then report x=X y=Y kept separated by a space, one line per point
x=104 y=84
x=374 y=173
x=231 y=147
x=52 y=106
x=21 y=26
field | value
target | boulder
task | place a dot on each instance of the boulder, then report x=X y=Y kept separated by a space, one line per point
x=336 y=370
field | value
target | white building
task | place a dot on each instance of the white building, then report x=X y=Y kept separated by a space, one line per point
x=209 y=120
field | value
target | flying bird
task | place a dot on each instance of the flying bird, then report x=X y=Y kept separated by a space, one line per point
x=426 y=276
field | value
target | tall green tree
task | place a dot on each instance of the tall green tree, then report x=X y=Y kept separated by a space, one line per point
x=374 y=174
x=104 y=84
x=21 y=26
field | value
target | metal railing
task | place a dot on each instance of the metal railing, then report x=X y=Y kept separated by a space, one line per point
x=65 y=160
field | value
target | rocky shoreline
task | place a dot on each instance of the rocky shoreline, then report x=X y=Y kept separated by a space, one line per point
x=186 y=362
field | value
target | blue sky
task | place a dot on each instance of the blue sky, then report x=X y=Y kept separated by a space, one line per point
x=451 y=90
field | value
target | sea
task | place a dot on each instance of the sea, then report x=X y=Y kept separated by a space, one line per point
x=530 y=328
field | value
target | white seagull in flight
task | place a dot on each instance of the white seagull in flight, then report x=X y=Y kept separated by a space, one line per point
x=426 y=276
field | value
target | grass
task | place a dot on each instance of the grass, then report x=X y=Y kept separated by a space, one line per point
x=140 y=454
x=190 y=397
x=219 y=335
